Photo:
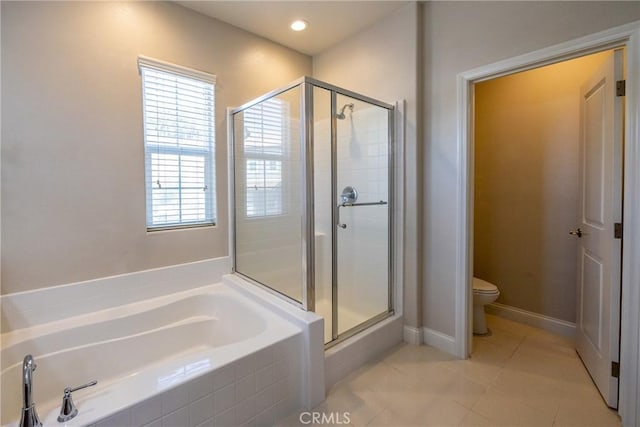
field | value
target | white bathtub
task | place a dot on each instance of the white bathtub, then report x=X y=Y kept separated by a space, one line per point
x=213 y=352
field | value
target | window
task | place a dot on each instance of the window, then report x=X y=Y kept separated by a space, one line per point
x=179 y=138
x=264 y=148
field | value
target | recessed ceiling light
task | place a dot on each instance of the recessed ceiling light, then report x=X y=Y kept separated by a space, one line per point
x=299 y=25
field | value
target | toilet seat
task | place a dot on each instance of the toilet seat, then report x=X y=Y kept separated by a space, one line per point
x=483 y=287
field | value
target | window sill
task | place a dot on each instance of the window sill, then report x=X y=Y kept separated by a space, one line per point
x=154 y=230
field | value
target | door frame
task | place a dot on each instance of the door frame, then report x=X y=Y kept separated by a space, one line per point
x=623 y=36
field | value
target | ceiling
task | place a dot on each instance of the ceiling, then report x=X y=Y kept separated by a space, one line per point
x=329 y=21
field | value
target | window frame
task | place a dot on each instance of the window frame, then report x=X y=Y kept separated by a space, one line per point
x=207 y=153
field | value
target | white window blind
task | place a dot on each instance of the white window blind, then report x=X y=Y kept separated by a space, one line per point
x=179 y=138
x=265 y=148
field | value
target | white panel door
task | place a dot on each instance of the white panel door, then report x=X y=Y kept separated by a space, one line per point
x=599 y=252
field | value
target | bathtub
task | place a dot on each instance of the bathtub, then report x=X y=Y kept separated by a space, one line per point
x=210 y=354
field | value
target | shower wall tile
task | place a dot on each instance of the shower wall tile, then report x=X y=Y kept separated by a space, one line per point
x=362 y=162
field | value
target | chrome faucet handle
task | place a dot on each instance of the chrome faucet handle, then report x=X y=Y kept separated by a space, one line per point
x=68 y=410
x=70 y=390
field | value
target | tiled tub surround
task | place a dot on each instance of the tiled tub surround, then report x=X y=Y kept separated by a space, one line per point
x=259 y=389
x=218 y=352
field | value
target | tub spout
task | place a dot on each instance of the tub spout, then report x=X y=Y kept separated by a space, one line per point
x=29 y=416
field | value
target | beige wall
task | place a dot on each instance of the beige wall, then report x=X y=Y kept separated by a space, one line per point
x=382 y=62
x=460 y=36
x=72 y=174
x=73 y=200
x=526 y=185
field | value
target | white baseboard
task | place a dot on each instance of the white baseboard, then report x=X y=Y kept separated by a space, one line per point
x=441 y=341
x=551 y=324
x=411 y=335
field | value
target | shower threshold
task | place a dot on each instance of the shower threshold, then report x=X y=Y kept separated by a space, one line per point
x=357 y=329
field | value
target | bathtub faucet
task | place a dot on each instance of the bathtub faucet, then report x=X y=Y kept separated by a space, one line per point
x=29 y=416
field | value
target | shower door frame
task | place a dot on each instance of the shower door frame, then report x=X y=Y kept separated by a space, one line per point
x=306 y=85
x=337 y=337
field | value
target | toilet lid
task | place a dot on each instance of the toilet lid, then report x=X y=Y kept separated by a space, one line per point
x=483 y=286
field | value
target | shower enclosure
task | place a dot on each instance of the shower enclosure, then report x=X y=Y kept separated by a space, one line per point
x=312 y=178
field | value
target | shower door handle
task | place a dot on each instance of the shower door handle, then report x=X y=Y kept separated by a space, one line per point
x=348 y=204
x=343 y=226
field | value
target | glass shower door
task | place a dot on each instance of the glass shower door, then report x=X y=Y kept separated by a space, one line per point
x=361 y=266
x=311 y=197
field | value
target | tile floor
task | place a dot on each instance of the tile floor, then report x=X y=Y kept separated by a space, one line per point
x=518 y=376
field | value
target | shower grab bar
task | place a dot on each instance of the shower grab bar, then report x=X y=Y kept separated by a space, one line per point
x=348 y=205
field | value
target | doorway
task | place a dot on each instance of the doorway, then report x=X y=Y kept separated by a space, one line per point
x=624 y=36
x=541 y=170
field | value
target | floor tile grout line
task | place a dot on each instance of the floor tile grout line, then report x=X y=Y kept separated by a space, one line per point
x=502 y=369
x=498 y=370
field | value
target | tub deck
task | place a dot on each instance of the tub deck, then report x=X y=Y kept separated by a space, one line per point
x=143 y=352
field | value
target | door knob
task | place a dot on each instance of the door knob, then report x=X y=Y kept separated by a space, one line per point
x=576 y=232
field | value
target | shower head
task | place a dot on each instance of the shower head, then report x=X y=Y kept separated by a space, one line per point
x=341 y=115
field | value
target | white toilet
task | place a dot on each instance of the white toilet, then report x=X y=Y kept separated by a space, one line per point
x=483 y=293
